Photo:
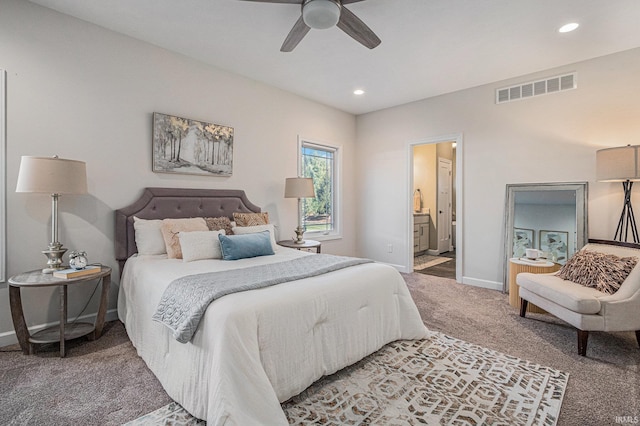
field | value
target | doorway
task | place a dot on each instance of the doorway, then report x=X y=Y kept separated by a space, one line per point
x=435 y=188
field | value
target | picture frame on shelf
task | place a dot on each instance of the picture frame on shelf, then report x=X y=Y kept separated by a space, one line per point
x=522 y=240
x=186 y=146
x=554 y=243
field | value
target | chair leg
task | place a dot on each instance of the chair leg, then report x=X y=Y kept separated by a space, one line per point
x=523 y=307
x=638 y=337
x=583 y=336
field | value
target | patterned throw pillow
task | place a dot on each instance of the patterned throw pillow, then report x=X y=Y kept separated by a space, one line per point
x=251 y=219
x=172 y=227
x=604 y=272
x=218 y=223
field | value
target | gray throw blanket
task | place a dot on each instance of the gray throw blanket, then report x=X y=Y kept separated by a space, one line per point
x=186 y=299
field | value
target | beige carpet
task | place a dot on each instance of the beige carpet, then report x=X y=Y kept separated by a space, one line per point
x=104 y=382
x=439 y=380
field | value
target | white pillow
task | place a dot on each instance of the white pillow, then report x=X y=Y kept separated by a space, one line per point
x=149 y=238
x=239 y=230
x=198 y=245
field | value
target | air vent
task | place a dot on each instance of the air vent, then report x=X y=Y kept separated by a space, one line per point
x=554 y=84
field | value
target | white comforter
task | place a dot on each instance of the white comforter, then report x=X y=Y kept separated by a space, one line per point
x=258 y=348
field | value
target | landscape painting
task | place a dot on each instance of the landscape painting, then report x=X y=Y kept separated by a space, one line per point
x=185 y=146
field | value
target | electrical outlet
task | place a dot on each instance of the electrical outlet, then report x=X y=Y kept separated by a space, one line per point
x=390 y=248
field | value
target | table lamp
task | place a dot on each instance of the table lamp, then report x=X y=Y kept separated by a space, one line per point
x=621 y=165
x=55 y=176
x=299 y=187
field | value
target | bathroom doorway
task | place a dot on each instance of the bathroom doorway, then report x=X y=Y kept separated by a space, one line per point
x=434 y=184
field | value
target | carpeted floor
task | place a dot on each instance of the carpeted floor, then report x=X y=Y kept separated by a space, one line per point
x=104 y=382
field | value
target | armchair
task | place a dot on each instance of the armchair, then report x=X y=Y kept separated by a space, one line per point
x=586 y=308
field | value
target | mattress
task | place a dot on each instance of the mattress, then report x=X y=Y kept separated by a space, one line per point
x=256 y=349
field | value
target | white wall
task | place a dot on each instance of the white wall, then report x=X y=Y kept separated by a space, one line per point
x=86 y=93
x=550 y=138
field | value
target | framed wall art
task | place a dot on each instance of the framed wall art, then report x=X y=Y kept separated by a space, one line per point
x=522 y=240
x=554 y=243
x=185 y=146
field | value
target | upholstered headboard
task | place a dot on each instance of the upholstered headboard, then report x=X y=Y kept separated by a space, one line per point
x=161 y=203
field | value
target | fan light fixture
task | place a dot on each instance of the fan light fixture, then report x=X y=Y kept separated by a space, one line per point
x=321 y=14
x=358 y=92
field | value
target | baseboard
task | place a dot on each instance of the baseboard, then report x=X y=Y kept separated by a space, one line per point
x=9 y=337
x=491 y=285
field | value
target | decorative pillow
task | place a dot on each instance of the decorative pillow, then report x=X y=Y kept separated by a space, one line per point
x=604 y=272
x=243 y=230
x=251 y=219
x=171 y=228
x=236 y=247
x=148 y=235
x=218 y=223
x=198 y=245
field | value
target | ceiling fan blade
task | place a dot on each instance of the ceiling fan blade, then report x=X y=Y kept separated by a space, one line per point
x=358 y=30
x=350 y=1
x=279 y=1
x=297 y=33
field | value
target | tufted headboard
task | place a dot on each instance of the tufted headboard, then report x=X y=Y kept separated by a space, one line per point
x=161 y=203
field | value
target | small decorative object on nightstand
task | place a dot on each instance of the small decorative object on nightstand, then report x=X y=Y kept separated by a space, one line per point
x=78 y=259
x=306 y=244
x=299 y=188
x=65 y=331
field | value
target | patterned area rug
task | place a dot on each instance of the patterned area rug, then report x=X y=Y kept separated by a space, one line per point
x=439 y=380
x=427 y=261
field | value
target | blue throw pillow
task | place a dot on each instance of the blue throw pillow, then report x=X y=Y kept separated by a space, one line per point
x=241 y=246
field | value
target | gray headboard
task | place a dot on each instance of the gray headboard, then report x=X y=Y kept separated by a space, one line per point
x=161 y=203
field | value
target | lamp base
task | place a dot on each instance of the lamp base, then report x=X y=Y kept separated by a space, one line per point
x=299 y=233
x=54 y=254
x=627 y=219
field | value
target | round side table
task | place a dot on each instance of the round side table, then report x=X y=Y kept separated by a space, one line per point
x=515 y=267
x=307 y=244
x=64 y=331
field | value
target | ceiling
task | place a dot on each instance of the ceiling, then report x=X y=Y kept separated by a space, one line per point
x=429 y=47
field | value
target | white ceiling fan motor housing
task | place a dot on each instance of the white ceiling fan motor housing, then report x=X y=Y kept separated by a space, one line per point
x=321 y=14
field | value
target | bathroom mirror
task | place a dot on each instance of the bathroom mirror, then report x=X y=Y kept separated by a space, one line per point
x=550 y=217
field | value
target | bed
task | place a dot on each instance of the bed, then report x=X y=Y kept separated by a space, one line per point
x=255 y=349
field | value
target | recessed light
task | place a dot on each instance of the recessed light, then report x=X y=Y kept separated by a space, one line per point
x=358 y=92
x=568 y=27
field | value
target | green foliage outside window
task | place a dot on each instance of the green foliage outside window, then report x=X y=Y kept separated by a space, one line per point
x=319 y=164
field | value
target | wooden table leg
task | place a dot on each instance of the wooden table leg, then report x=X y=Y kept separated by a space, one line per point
x=102 y=310
x=19 y=324
x=63 y=318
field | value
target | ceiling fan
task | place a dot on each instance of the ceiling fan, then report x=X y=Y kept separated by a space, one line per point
x=323 y=14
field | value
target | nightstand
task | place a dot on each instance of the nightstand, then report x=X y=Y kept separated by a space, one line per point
x=515 y=267
x=65 y=331
x=308 y=244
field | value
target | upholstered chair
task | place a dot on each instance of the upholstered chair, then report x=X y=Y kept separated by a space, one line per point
x=587 y=308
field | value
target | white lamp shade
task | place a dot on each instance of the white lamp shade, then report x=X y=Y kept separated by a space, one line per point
x=52 y=175
x=299 y=188
x=321 y=14
x=618 y=164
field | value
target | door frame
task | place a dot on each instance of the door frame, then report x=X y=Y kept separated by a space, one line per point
x=458 y=139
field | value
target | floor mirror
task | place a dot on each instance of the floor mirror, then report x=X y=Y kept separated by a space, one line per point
x=550 y=217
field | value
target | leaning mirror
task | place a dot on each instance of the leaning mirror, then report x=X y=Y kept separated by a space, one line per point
x=549 y=217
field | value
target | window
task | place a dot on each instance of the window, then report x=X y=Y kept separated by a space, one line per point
x=320 y=215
